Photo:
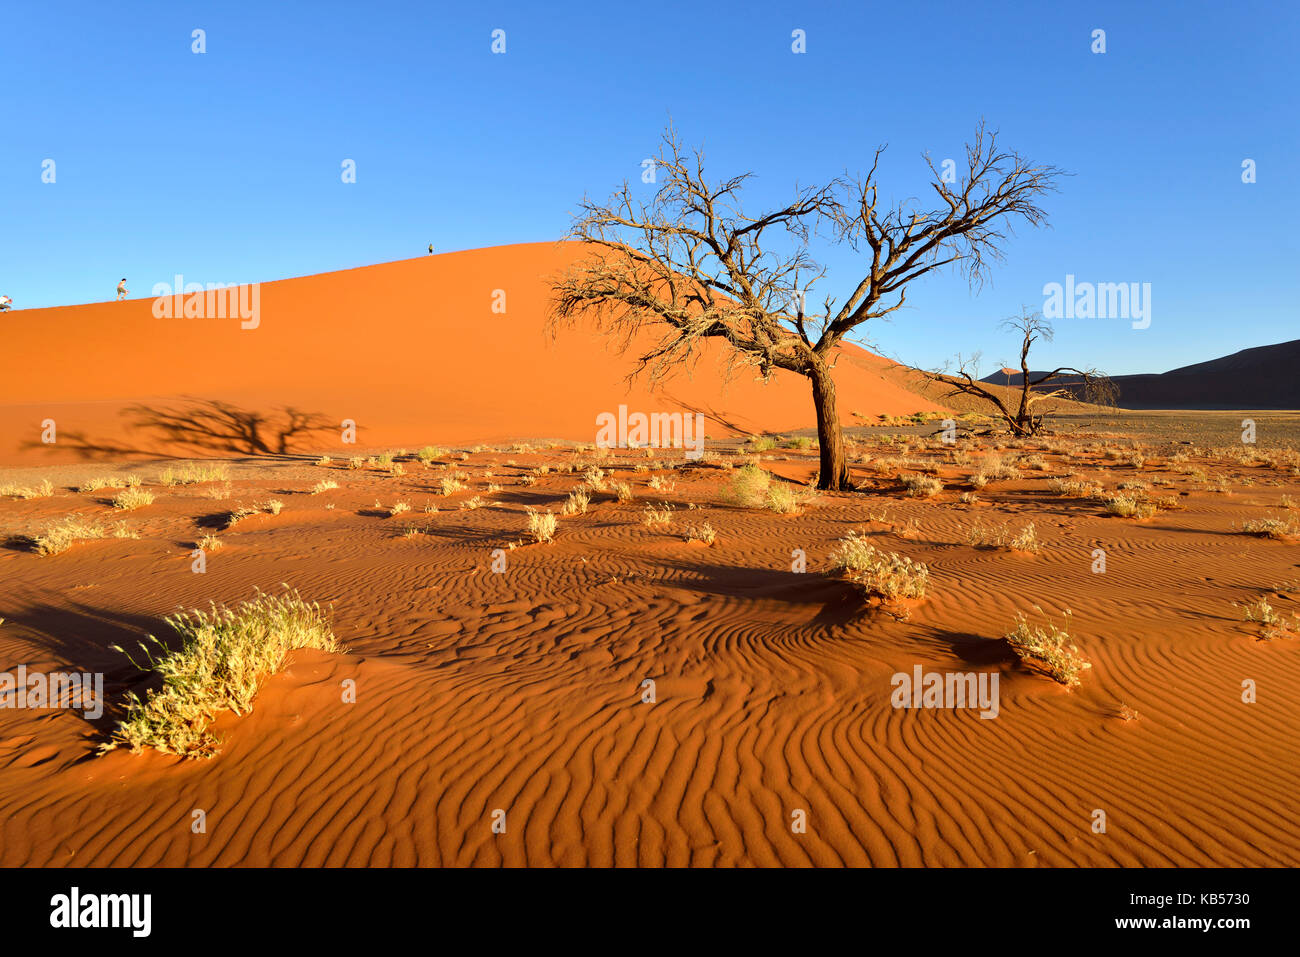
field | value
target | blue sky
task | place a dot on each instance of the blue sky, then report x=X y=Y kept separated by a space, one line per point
x=226 y=166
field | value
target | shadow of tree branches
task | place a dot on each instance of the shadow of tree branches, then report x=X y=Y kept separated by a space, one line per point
x=203 y=425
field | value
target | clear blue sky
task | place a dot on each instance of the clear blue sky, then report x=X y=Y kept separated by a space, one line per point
x=226 y=166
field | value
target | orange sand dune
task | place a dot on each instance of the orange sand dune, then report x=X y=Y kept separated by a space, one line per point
x=410 y=350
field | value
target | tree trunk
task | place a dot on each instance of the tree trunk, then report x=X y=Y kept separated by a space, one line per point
x=1022 y=424
x=830 y=437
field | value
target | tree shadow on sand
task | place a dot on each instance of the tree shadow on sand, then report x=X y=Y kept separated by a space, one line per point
x=83 y=636
x=201 y=425
x=970 y=649
x=839 y=601
x=840 y=604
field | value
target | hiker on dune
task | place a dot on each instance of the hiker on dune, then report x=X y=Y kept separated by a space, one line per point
x=122 y=291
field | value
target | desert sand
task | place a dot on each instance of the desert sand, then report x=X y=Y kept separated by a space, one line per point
x=521 y=691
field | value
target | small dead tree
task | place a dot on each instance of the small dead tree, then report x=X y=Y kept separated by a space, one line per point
x=1018 y=411
x=691 y=266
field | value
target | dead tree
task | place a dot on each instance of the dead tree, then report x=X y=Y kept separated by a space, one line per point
x=1086 y=385
x=691 y=266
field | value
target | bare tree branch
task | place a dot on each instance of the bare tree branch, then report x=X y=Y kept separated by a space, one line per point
x=689 y=266
x=1093 y=386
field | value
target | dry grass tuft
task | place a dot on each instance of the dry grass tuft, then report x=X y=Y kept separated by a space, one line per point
x=748 y=487
x=449 y=485
x=1074 y=488
x=786 y=499
x=102 y=482
x=542 y=525
x=1271 y=623
x=922 y=486
x=993 y=468
x=752 y=487
x=878 y=573
x=662 y=515
x=577 y=502
x=193 y=474
x=1271 y=527
x=225 y=656
x=62 y=535
x=1001 y=536
x=44 y=490
x=132 y=498
x=1048 y=649
x=704 y=533
x=1129 y=506
x=242 y=512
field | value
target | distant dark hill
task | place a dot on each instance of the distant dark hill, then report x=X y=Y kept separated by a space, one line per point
x=1265 y=377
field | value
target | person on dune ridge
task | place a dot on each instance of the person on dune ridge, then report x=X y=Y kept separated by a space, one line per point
x=5 y=303
x=122 y=291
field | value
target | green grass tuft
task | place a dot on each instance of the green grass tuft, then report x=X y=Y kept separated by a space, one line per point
x=225 y=656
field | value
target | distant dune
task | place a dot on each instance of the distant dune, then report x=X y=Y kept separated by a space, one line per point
x=1260 y=378
x=410 y=350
